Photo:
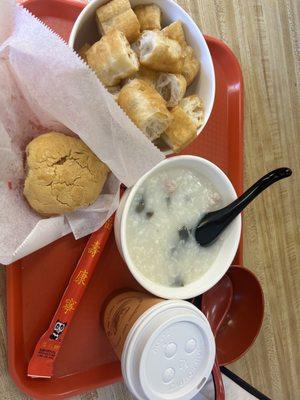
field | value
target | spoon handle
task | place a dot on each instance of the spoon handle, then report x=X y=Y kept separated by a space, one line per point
x=218 y=382
x=217 y=221
x=241 y=202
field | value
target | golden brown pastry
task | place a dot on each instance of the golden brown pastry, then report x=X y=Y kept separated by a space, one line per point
x=112 y=58
x=146 y=108
x=194 y=108
x=171 y=87
x=118 y=14
x=63 y=174
x=175 y=31
x=145 y=74
x=126 y=22
x=191 y=65
x=181 y=132
x=160 y=53
x=111 y=9
x=82 y=51
x=149 y=16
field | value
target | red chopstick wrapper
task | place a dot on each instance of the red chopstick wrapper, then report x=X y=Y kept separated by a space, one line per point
x=42 y=362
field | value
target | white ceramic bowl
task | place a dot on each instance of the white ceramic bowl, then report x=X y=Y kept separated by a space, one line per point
x=231 y=235
x=85 y=31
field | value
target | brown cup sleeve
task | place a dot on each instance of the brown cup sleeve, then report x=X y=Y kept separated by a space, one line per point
x=122 y=312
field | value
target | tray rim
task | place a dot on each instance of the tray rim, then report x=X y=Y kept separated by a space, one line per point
x=12 y=284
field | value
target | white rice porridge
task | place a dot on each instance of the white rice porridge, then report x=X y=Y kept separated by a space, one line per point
x=159 y=229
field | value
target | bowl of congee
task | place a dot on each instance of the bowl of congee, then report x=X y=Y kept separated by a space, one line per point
x=156 y=221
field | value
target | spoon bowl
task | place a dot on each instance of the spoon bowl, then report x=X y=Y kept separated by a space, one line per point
x=244 y=318
x=216 y=302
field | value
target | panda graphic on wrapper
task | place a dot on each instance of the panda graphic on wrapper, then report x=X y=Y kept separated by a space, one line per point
x=58 y=329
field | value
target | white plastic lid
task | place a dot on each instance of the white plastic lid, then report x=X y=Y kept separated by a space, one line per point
x=169 y=352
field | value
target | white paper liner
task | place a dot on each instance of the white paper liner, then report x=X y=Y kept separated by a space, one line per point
x=45 y=86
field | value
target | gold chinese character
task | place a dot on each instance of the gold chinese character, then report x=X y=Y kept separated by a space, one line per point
x=81 y=277
x=55 y=347
x=69 y=305
x=95 y=248
x=108 y=224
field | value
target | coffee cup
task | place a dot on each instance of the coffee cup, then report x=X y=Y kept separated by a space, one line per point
x=166 y=347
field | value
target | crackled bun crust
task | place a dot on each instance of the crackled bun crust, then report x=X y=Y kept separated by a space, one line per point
x=63 y=174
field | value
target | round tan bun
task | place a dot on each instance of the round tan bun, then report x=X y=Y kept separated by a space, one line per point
x=63 y=174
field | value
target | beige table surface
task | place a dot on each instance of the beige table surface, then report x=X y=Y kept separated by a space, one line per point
x=264 y=35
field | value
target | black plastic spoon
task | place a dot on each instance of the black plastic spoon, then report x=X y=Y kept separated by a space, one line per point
x=213 y=223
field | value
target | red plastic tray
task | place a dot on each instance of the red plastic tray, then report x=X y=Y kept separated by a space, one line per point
x=36 y=283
